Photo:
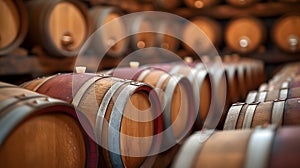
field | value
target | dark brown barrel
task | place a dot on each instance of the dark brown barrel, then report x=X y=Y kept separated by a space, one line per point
x=39 y=131
x=176 y=97
x=278 y=112
x=14 y=25
x=60 y=27
x=112 y=37
x=142 y=40
x=280 y=94
x=205 y=42
x=198 y=4
x=241 y=3
x=286 y=34
x=245 y=34
x=260 y=147
x=117 y=109
x=166 y=4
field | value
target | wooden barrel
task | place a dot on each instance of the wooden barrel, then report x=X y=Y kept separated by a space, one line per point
x=106 y=38
x=200 y=80
x=278 y=112
x=280 y=94
x=142 y=40
x=198 y=4
x=260 y=147
x=166 y=4
x=120 y=112
x=244 y=35
x=176 y=96
x=14 y=25
x=164 y=39
x=39 y=131
x=59 y=26
x=241 y=3
x=285 y=33
x=291 y=82
x=206 y=41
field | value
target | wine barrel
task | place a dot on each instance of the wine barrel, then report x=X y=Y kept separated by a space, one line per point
x=166 y=4
x=260 y=147
x=14 y=25
x=39 y=131
x=291 y=82
x=145 y=39
x=106 y=38
x=59 y=26
x=278 y=112
x=198 y=4
x=164 y=39
x=241 y=3
x=244 y=34
x=206 y=41
x=285 y=33
x=120 y=112
x=280 y=94
x=176 y=97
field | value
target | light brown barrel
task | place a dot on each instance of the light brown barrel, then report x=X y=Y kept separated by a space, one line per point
x=198 y=4
x=145 y=39
x=14 y=25
x=260 y=147
x=166 y=4
x=286 y=34
x=244 y=34
x=110 y=37
x=241 y=3
x=175 y=93
x=206 y=41
x=277 y=112
x=120 y=111
x=39 y=131
x=60 y=27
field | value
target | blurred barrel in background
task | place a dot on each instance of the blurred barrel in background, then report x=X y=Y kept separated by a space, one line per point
x=244 y=34
x=59 y=27
x=286 y=34
x=198 y=4
x=105 y=38
x=14 y=25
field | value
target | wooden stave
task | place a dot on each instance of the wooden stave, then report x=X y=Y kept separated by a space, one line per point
x=40 y=11
x=23 y=29
x=66 y=95
x=33 y=104
x=247 y=154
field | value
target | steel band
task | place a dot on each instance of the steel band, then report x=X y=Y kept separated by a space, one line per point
x=283 y=94
x=277 y=112
x=232 y=116
x=251 y=97
x=262 y=96
x=249 y=116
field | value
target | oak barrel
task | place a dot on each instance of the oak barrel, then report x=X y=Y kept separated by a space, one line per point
x=39 y=131
x=207 y=40
x=125 y=115
x=14 y=25
x=105 y=38
x=286 y=34
x=241 y=3
x=244 y=34
x=259 y=147
x=59 y=26
x=277 y=112
x=166 y=4
x=176 y=96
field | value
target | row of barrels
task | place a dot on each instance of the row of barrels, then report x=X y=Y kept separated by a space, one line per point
x=163 y=101
x=171 y=5
x=262 y=132
x=62 y=27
